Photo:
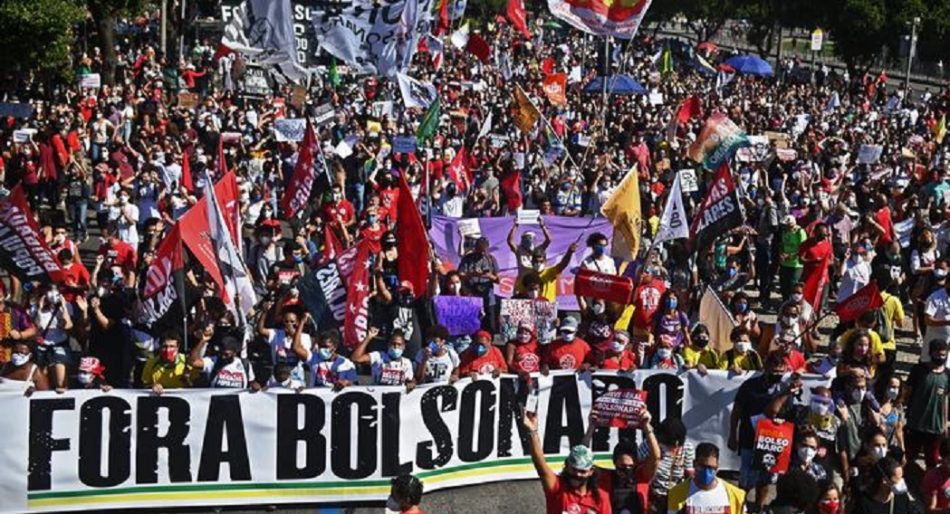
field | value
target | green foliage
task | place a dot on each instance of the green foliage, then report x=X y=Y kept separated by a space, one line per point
x=860 y=28
x=38 y=35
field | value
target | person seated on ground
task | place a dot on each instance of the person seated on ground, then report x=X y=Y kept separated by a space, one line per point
x=697 y=354
x=741 y=357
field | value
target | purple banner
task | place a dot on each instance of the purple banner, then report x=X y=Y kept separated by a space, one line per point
x=462 y=315
x=447 y=241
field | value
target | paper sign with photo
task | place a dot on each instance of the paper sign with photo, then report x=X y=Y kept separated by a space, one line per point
x=289 y=129
x=529 y=217
x=688 y=181
x=469 y=228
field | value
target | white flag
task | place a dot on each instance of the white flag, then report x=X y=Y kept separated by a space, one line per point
x=673 y=224
x=237 y=281
x=264 y=30
x=486 y=126
x=416 y=93
x=460 y=37
x=717 y=319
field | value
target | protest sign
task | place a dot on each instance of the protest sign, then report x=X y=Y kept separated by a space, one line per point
x=226 y=447
x=343 y=150
x=323 y=114
x=255 y=82
x=656 y=98
x=620 y=408
x=529 y=216
x=23 y=251
x=289 y=129
x=869 y=154
x=470 y=227
x=323 y=293
x=773 y=445
x=688 y=181
x=187 y=99
x=462 y=315
x=757 y=151
x=23 y=135
x=91 y=81
x=404 y=144
x=611 y=288
x=540 y=314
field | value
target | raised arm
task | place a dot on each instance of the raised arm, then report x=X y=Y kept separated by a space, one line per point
x=511 y=237
x=548 y=478
x=301 y=352
x=359 y=355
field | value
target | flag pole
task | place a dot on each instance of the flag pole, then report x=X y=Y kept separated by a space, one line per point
x=548 y=124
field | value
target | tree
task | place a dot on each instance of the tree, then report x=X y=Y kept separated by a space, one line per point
x=105 y=14
x=859 y=29
x=37 y=36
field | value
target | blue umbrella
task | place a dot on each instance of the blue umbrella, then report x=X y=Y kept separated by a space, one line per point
x=616 y=85
x=750 y=65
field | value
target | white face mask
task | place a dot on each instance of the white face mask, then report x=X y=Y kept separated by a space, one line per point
x=598 y=309
x=807 y=454
x=85 y=378
x=892 y=393
x=797 y=297
x=568 y=336
x=664 y=353
x=19 y=359
x=534 y=294
x=879 y=452
x=900 y=487
x=618 y=346
x=456 y=287
x=101 y=292
x=790 y=320
x=743 y=346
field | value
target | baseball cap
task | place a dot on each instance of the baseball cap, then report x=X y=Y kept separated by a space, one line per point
x=788 y=220
x=569 y=323
x=581 y=458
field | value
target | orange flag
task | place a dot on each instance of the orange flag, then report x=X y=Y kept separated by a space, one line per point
x=525 y=114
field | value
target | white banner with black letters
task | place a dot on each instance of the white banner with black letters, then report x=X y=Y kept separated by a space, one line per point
x=88 y=450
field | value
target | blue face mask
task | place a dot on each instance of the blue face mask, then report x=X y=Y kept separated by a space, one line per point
x=395 y=353
x=481 y=350
x=434 y=347
x=461 y=345
x=705 y=476
x=298 y=259
x=372 y=219
x=742 y=307
x=599 y=250
x=672 y=302
x=325 y=354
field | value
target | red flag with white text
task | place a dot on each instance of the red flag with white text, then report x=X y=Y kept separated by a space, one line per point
x=459 y=170
x=356 y=319
x=161 y=292
x=23 y=250
x=301 y=182
x=867 y=298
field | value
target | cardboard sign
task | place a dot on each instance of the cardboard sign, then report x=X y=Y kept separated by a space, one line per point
x=23 y=135
x=404 y=144
x=620 y=408
x=529 y=217
x=187 y=99
x=869 y=154
x=469 y=228
x=773 y=446
x=688 y=181
x=537 y=313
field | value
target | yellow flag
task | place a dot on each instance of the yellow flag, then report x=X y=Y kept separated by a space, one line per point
x=941 y=130
x=623 y=211
x=526 y=115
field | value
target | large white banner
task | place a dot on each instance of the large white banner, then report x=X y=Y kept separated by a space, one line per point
x=374 y=36
x=87 y=450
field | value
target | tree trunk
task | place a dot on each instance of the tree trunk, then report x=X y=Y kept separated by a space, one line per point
x=105 y=28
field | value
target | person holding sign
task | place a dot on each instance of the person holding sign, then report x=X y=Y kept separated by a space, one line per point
x=575 y=489
x=525 y=250
x=547 y=275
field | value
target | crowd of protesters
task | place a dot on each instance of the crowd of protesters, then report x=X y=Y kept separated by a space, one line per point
x=109 y=161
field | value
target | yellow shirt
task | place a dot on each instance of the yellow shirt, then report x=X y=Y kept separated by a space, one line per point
x=877 y=347
x=171 y=376
x=893 y=313
x=707 y=357
x=750 y=361
x=549 y=277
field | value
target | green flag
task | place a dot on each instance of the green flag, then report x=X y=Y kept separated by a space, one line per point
x=334 y=74
x=429 y=123
x=666 y=61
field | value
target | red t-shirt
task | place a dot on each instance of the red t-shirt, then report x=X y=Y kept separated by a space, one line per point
x=646 y=299
x=485 y=364
x=814 y=249
x=343 y=207
x=563 y=355
x=627 y=360
x=389 y=198
x=561 y=500
x=795 y=361
x=75 y=275
x=883 y=218
x=937 y=480
x=526 y=358
x=118 y=253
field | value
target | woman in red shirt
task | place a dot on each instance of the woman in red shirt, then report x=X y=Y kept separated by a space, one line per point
x=481 y=358
x=618 y=355
x=521 y=353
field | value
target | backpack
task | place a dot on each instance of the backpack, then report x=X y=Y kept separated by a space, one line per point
x=883 y=326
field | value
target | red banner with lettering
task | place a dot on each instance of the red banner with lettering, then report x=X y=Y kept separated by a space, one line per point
x=611 y=288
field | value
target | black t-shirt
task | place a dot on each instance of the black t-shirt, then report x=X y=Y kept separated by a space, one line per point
x=753 y=396
x=902 y=504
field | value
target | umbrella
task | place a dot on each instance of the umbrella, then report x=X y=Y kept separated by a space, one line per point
x=750 y=65
x=616 y=85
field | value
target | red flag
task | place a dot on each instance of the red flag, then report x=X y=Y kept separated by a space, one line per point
x=298 y=190
x=356 y=319
x=547 y=65
x=413 y=243
x=611 y=288
x=518 y=17
x=511 y=186
x=331 y=244
x=186 y=170
x=459 y=170
x=691 y=108
x=227 y=192
x=555 y=87
x=866 y=299
x=813 y=287
x=478 y=47
x=160 y=291
x=196 y=235
x=23 y=251
x=444 y=22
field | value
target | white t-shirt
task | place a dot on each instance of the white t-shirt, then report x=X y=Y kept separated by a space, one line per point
x=714 y=501
x=439 y=367
x=328 y=373
x=282 y=350
x=937 y=307
x=128 y=231
x=53 y=325
x=389 y=371
x=232 y=375
x=603 y=265
x=855 y=277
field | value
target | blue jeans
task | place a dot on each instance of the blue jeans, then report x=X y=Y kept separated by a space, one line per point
x=78 y=209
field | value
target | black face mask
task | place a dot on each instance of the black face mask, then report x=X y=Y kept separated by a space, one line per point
x=625 y=476
x=574 y=482
x=702 y=342
x=773 y=378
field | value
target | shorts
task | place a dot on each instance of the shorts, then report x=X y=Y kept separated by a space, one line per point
x=49 y=355
x=749 y=476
